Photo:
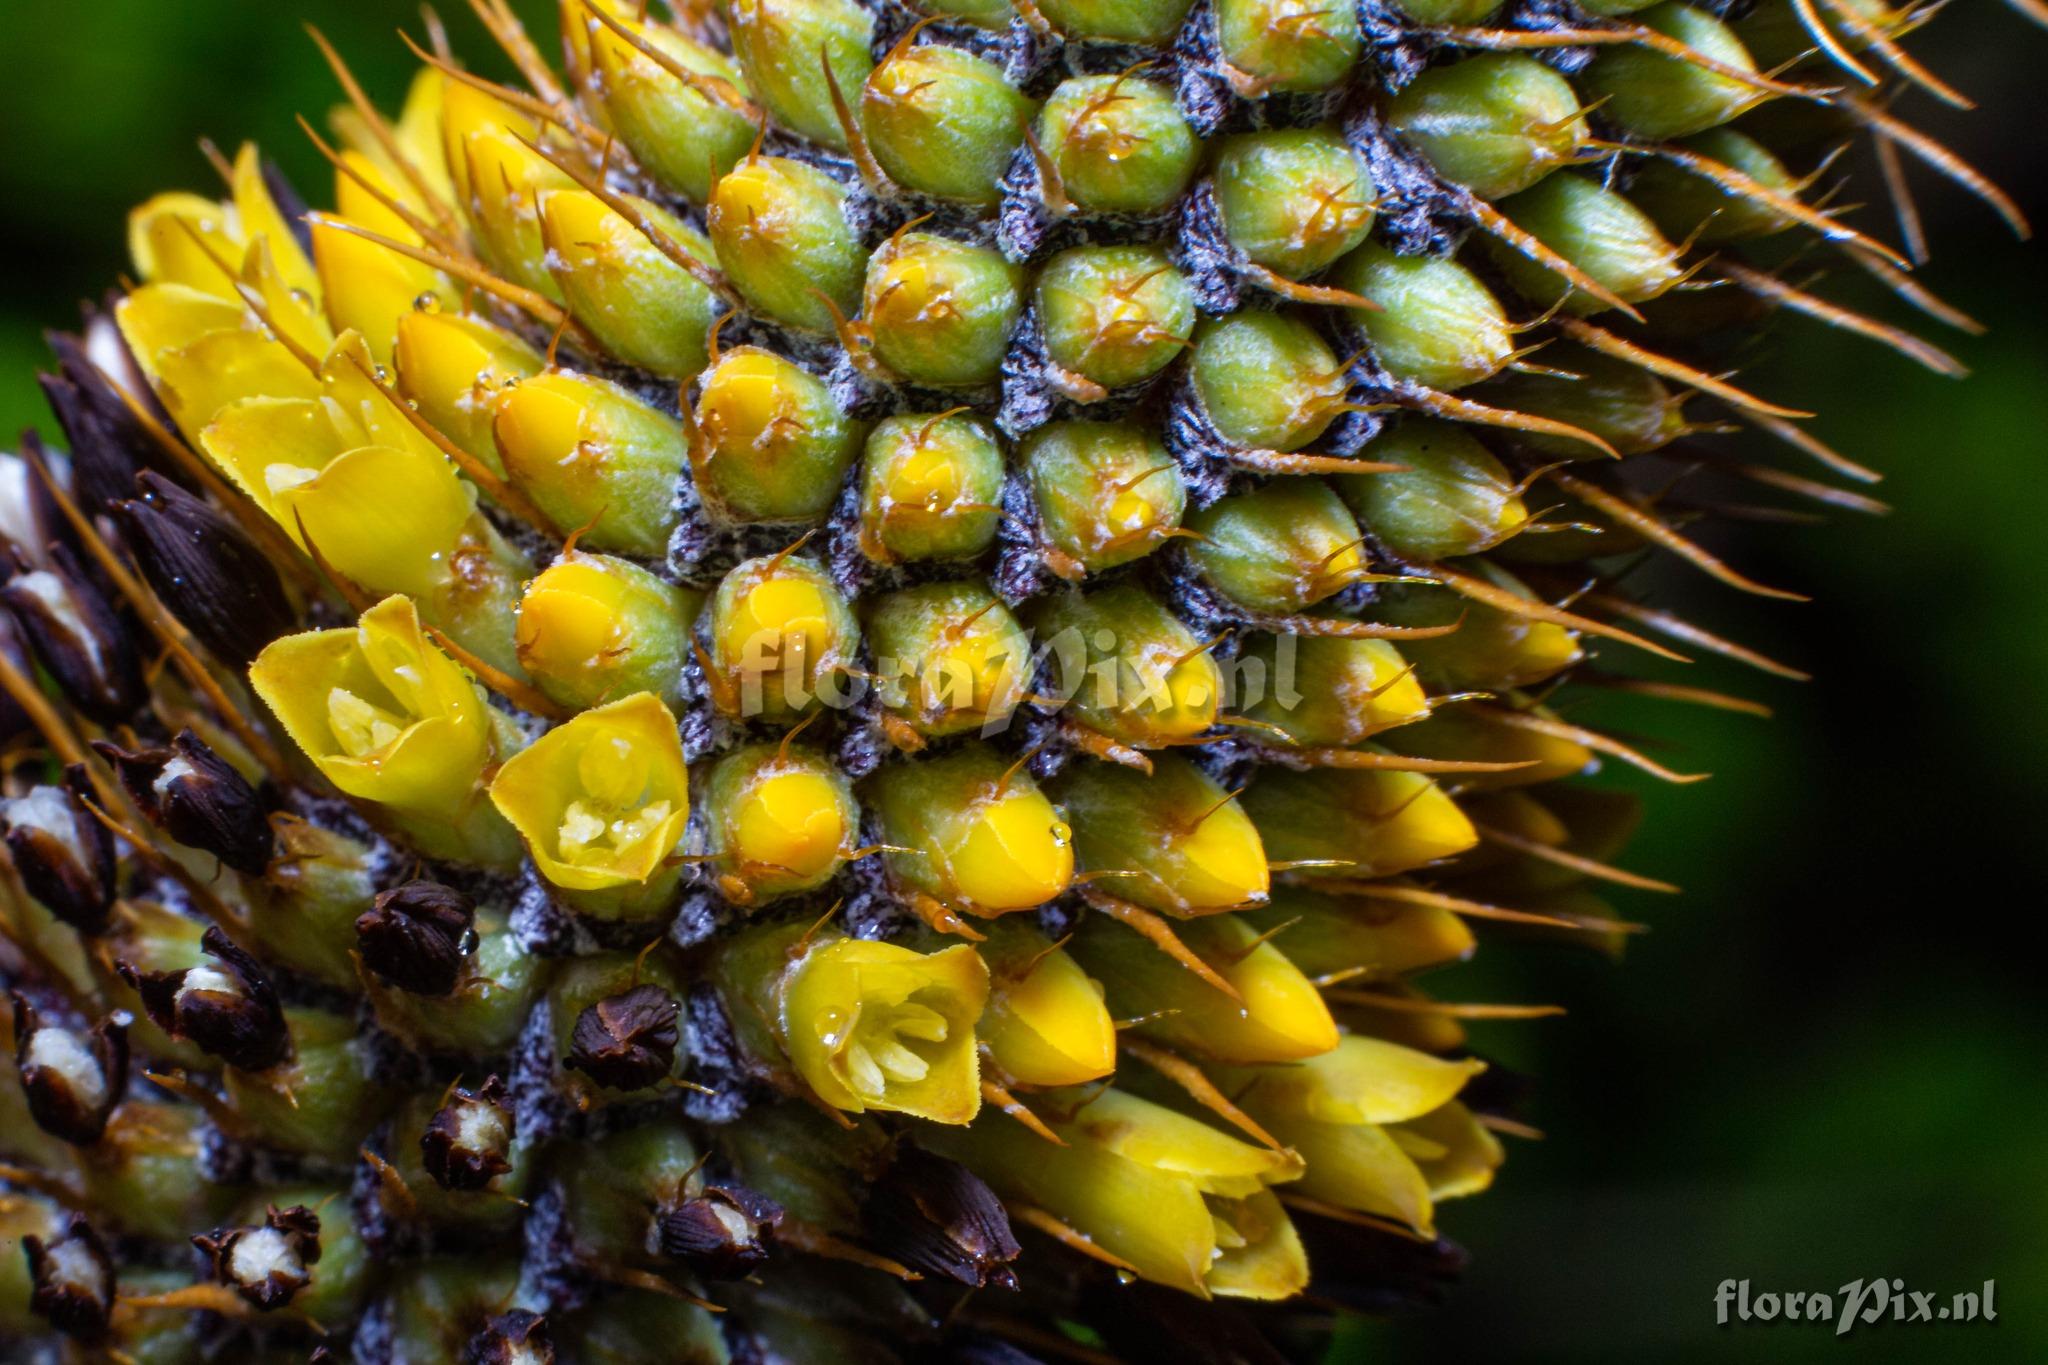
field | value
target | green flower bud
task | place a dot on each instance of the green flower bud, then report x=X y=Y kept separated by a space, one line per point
x=1355 y=822
x=1495 y=123
x=779 y=631
x=1657 y=96
x=780 y=230
x=684 y=134
x=952 y=657
x=1453 y=499
x=1689 y=207
x=1282 y=1017
x=1267 y=380
x=1118 y=143
x=940 y=312
x=778 y=820
x=1293 y=199
x=319 y=882
x=982 y=837
x=592 y=627
x=1288 y=46
x=454 y=367
x=1135 y=673
x=1364 y=940
x=1176 y=840
x=1437 y=325
x=315 y=1103
x=1106 y=493
x=645 y=308
x=775 y=444
x=1152 y=23
x=1114 y=315
x=1490 y=649
x=989 y=14
x=1279 y=548
x=1454 y=12
x=931 y=488
x=942 y=121
x=1334 y=694
x=592 y=455
x=779 y=44
x=1598 y=231
x=1623 y=404
x=499 y=179
x=482 y=1017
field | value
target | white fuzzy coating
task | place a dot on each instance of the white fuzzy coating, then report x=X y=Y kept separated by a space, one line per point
x=65 y=1053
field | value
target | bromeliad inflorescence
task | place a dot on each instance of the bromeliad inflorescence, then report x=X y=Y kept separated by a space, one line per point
x=844 y=651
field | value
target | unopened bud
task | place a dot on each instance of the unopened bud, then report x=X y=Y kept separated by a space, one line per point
x=930 y=488
x=781 y=232
x=1490 y=648
x=943 y=121
x=1327 y=691
x=1453 y=498
x=455 y=367
x=1656 y=96
x=683 y=136
x=1286 y=47
x=1114 y=315
x=1045 y=1024
x=205 y=570
x=1119 y=143
x=1279 y=548
x=592 y=455
x=776 y=443
x=468 y=1142
x=1293 y=199
x=64 y=855
x=1595 y=229
x=1129 y=668
x=980 y=835
x=1437 y=325
x=779 y=631
x=958 y=659
x=1266 y=380
x=779 y=819
x=1353 y=822
x=592 y=627
x=1176 y=841
x=226 y=1008
x=268 y=1263
x=416 y=935
x=1495 y=123
x=784 y=46
x=71 y=1080
x=936 y=1216
x=941 y=311
x=1106 y=493
x=647 y=309
x=1688 y=206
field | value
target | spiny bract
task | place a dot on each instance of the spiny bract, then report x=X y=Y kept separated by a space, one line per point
x=842 y=653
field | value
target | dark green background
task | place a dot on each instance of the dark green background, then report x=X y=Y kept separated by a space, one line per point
x=1825 y=1060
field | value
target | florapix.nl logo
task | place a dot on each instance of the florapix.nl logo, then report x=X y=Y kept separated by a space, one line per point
x=1857 y=1304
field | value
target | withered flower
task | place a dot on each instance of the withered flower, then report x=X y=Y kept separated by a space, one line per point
x=64 y=854
x=515 y=1337
x=72 y=1280
x=468 y=1142
x=71 y=1080
x=270 y=1262
x=198 y=798
x=76 y=634
x=416 y=935
x=209 y=574
x=229 y=1010
x=626 y=1041
x=937 y=1216
x=722 y=1232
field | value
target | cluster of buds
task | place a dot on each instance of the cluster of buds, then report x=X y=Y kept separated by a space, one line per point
x=836 y=655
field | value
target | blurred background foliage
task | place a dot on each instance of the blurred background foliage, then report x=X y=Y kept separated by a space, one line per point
x=1823 y=1061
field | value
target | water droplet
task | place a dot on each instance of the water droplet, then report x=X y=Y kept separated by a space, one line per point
x=383 y=374
x=429 y=302
x=302 y=298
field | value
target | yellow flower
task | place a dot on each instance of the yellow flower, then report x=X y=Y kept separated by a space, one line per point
x=385 y=715
x=879 y=1026
x=602 y=799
